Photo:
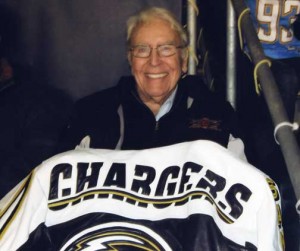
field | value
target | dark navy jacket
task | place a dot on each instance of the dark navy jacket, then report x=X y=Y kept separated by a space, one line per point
x=118 y=116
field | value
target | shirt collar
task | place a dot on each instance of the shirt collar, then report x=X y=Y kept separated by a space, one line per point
x=166 y=106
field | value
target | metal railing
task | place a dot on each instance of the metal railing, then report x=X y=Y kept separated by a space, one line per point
x=231 y=55
x=284 y=133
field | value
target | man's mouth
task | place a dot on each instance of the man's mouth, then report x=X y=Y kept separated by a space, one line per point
x=155 y=76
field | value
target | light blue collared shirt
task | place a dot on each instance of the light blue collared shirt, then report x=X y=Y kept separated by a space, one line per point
x=166 y=106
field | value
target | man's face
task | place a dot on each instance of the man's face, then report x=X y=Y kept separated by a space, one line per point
x=156 y=76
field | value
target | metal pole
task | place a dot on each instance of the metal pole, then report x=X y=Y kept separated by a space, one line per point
x=231 y=55
x=191 y=27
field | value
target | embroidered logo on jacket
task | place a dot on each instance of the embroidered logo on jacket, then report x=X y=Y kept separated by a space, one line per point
x=205 y=123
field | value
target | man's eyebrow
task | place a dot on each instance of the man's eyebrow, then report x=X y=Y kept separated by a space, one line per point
x=136 y=45
x=168 y=43
x=148 y=45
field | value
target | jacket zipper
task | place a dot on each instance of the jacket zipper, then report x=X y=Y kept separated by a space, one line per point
x=157 y=126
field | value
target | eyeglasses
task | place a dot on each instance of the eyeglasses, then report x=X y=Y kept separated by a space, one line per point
x=144 y=51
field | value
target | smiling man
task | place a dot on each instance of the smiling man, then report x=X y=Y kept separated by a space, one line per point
x=158 y=57
x=158 y=105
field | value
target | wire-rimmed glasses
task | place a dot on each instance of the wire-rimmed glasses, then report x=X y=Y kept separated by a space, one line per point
x=164 y=50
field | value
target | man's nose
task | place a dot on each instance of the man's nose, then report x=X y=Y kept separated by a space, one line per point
x=154 y=57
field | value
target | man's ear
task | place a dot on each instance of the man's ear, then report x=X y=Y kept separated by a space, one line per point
x=129 y=57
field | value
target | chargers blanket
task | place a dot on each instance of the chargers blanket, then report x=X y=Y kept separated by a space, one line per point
x=189 y=196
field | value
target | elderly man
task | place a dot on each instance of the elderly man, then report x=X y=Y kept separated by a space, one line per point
x=158 y=105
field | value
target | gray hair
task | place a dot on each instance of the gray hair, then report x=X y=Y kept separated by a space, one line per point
x=155 y=12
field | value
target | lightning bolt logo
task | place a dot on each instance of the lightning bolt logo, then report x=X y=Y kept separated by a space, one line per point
x=116 y=236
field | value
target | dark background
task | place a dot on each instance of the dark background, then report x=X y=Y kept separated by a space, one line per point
x=74 y=45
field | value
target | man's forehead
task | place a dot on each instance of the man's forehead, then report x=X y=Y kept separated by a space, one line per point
x=159 y=30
